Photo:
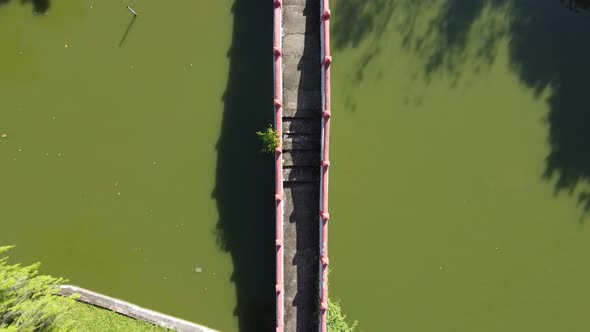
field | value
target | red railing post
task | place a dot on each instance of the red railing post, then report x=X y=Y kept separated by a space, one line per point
x=278 y=115
x=326 y=61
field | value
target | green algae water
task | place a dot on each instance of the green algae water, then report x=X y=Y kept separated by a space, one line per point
x=108 y=163
x=460 y=165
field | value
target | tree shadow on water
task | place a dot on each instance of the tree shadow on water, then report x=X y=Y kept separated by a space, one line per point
x=39 y=6
x=547 y=50
x=244 y=187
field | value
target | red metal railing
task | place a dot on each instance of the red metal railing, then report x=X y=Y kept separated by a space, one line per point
x=278 y=123
x=325 y=160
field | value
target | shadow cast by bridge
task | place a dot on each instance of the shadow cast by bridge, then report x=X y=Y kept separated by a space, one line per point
x=244 y=186
x=547 y=52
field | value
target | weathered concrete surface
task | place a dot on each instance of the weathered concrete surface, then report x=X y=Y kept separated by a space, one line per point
x=301 y=158
x=133 y=311
x=301 y=103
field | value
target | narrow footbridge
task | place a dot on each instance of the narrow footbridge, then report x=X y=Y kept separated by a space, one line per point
x=302 y=119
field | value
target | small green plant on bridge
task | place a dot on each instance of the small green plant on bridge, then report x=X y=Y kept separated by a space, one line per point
x=269 y=139
x=336 y=320
x=28 y=301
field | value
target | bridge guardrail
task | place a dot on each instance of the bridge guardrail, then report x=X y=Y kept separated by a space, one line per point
x=278 y=124
x=326 y=61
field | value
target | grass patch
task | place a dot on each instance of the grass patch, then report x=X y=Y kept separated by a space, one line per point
x=269 y=139
x=337 y=320
x=90 y=318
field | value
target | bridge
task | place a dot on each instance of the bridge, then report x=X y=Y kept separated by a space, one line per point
x=302 y=120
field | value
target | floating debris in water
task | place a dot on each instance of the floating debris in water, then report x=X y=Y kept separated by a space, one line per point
x=154 y=163
x=4 y=135
x=118 y=194
x=132 y=11
x=198 y=269
x=20 y=150
x=191 y=64
x=66 y=45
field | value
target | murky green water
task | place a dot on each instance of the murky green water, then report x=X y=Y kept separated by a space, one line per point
x=109 y=164
x=459 y=186
x=460 y=163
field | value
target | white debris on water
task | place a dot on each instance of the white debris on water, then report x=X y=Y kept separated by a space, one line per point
x=198 y=269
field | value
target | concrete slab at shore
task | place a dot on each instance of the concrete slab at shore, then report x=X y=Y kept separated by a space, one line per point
x=132 y=310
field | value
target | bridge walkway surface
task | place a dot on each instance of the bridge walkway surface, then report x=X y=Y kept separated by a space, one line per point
x=301 y=129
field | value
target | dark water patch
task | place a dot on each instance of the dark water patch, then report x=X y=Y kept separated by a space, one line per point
x=244 y=176
x=39 y=6
x=547 y=51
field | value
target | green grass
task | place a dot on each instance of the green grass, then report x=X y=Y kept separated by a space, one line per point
x=269 y=139
x=91 y=318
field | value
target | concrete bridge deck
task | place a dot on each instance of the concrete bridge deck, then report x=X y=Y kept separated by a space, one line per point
x=301 y=128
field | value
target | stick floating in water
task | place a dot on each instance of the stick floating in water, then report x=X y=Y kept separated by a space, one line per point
x=132 y=11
